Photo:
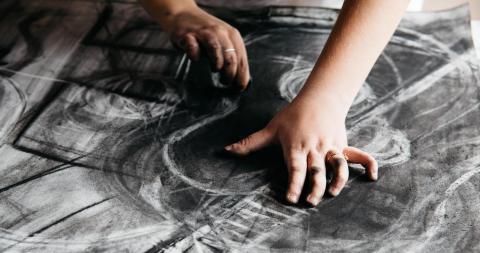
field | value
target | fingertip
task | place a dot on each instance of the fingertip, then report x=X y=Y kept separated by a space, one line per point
x=243 y=78
x=334 y=191
x=195 y=57
x=373 y=169
x=236 y=149
x=374 y=176
x=313 y=200
x=218 y=65
x=244 y=87
x=292 y=197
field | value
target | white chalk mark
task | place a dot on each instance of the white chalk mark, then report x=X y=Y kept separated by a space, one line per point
x=169 y=161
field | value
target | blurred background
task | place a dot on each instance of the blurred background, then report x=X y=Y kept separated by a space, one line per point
x=415 y=5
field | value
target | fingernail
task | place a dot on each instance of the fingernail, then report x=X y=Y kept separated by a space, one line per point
x=228 y=148
x=292 y=197
x=375 y=176
x=312 y=200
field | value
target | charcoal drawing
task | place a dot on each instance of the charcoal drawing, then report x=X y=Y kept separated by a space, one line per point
x=109 y=142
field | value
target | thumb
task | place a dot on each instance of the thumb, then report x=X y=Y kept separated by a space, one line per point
x=251 y=143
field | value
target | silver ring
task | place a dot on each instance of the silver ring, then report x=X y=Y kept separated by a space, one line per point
x=229 y=50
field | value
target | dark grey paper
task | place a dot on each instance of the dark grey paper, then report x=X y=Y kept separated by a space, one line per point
x=109 y=141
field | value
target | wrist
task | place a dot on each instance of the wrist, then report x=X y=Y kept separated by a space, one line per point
x=324 y=96
x=166 y=12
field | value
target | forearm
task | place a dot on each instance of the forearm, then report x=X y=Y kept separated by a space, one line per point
x=164 y=10
x=362 y=30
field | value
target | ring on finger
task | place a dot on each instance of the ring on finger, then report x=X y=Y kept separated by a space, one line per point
x=226 y=50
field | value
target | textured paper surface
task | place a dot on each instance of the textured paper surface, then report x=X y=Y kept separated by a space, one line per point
x=107 y=146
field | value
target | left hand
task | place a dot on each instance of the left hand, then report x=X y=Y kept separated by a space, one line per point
x=311 y=131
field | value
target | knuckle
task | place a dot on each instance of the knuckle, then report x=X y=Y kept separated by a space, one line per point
x=221 y=30
x=212 y=41
x=234 y=32
x=239 y=148
x=245 y=141
x=269 y=128
x=213 y=44
x=295 y=148
x=185 y=36
x=305 y=144
x=340 y=161
x=321 y=146
x=371 y=160
x=314 y=154
x=266 y=131
x=215 y=27
x=191 y=46
x=295 y=169
x=292 y=156
x=230 y=61
x=317 y=171
x=241 y=63
x=216 y=30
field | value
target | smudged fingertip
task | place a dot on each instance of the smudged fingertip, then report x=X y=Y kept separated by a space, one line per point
x=247 y=86
x=312 y=200
x=333 y=191
x=292 y=198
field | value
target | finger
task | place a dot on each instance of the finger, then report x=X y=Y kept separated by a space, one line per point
x=356 y=155
x=251 y=143
x=297 y=169
x=317 y=172
x=190 y=45
x=242 y=78
x=340 y=173
x=212 y=45
x=230 y=61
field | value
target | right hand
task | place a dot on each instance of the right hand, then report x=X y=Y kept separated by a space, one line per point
x=194 y=30
x=311 y=131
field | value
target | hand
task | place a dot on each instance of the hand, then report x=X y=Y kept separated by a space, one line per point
x=313 y=138
x=194 y=30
